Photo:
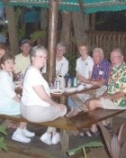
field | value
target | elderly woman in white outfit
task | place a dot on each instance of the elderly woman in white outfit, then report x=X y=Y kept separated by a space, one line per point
x=37 y=105
x=9 y=101
x=62 y=64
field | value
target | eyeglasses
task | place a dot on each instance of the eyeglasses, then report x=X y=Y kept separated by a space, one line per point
x=116 y=57
x=40 y=56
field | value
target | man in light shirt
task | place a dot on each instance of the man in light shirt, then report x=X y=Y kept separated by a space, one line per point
x=22 y=60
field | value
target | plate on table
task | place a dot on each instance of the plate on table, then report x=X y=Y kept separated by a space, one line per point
x=17 y=82
x=70 y=90
x=88 y=85
x=57 y=91
x=81 y=87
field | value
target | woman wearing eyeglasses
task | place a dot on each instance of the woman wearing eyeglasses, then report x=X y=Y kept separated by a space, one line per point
x=37 y=105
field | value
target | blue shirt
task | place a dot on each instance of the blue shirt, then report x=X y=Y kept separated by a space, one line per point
x=101 y=71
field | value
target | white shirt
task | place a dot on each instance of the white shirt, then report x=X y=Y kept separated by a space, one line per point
x=6 y=88
x=21 y=63
x=84 y=67
x=62 y=67
x=33 y=78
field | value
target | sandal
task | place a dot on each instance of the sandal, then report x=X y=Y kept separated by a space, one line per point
x=90 y=133
x=108 y=127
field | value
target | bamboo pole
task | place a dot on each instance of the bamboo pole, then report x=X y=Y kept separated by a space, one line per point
x=12 y=30
x=52 y=33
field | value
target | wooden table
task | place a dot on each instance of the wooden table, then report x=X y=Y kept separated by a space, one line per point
x=63 y=96
x=67 y=94
x=18 y=90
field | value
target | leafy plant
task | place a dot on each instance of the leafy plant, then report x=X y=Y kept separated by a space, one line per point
x=21 y=32
x=93 y=144
x=72 y=63
x=37 y=35
x=115 y=143
x=2 y=144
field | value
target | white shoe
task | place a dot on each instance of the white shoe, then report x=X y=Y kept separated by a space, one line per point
x=17 y=136
x=46 y=138
x=27 y=133
x=56 y=138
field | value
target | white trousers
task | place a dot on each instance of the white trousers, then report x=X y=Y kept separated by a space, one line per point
x=42 y=114
x=72 y=104
x=85 y=96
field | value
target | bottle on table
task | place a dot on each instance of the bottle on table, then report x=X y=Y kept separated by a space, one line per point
x=60 y=82
x=69 y=83
x=75 y=82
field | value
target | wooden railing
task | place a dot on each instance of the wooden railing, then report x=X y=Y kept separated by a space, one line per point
x=105 y=40
x=108 y=41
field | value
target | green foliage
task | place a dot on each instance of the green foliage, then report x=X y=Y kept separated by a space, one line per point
x=21 y=32
x=93 y=144
x=2 y=144
x=36 y=35
x=72 y=63
x=4 y=31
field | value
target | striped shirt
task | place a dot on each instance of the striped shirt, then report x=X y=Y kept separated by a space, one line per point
x=101 y=71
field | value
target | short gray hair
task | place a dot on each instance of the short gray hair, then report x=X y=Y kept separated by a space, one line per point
x=62 y=45
x=37 y=48
x=99 y=50
x=118 y=50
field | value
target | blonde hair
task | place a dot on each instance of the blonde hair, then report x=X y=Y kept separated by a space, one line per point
x=83 y=44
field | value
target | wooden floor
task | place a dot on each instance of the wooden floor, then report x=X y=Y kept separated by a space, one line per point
x=37 y=149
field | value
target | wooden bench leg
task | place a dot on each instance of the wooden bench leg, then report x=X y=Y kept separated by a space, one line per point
x=64 y=141
x=5 y=123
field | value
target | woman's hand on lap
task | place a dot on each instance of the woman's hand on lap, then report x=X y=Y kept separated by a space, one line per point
x=62 y=107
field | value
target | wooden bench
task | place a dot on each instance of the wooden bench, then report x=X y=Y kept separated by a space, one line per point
x=78 y=122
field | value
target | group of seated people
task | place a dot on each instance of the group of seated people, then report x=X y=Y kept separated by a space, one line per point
x=36 y=104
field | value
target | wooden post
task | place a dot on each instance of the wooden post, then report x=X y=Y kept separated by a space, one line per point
x=52 y=32
x=66 y=28
x=13 y=39
x=93 y=21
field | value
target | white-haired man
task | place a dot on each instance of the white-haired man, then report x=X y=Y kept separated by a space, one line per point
x=100 y=72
